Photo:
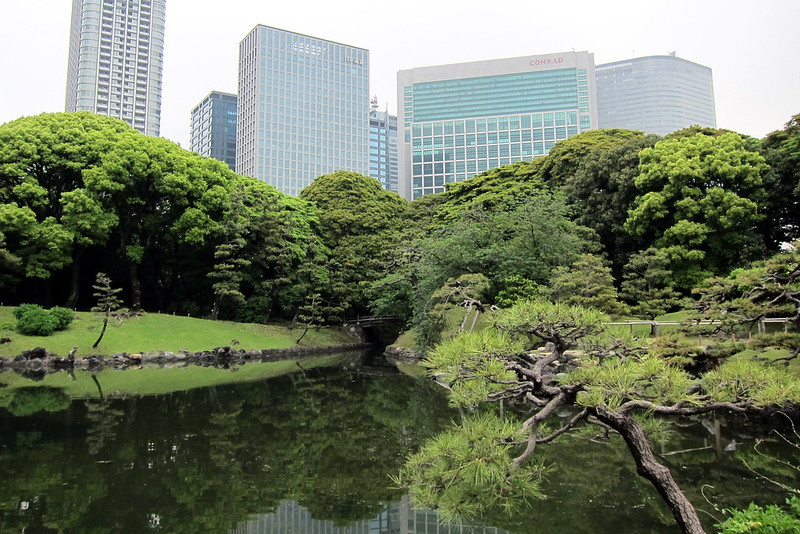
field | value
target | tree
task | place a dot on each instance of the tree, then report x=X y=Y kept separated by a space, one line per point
x=701 y=198
x=528 y=238
x=491 y=190
x=586 y=282
x=781 y=150
x=466 y=291
x=602 y=190
x=769 y=288
x=525 y=239
x=47 y=216
x=512 y=184
x=567 y=156
x=108 y=304
x=647 y=285
x=164 y=197
x=230 y=263
x=615 y=384
x=358 y=222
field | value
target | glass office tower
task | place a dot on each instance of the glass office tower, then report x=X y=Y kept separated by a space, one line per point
x=303 y=108
x=655 y=94
x=214 y=127
x=383 y=147
x=116 y=55
x=459 y=120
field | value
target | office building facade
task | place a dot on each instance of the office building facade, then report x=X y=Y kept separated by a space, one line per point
x=214 y=127
x=456 y=121
x=303 y=108
x=655 y=94
x=116 y=56
x=383 y=147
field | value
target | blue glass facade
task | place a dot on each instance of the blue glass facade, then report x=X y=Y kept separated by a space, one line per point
x=460 y=120
x=214 y=128
x=655 y=94
x=303 y=108
x=383 y=148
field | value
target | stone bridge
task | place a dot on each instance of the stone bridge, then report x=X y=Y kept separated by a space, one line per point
x=376 y=328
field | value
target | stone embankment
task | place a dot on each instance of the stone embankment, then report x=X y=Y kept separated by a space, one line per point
x=397 y=354
x=39 y=360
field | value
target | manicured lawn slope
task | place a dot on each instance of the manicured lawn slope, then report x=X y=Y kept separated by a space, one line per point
x=154 y=331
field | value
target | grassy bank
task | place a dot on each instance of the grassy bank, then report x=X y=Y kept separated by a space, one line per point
x=154 y=331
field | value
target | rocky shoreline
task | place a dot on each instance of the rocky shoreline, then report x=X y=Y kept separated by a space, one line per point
x=38 y=360
x=396 y=354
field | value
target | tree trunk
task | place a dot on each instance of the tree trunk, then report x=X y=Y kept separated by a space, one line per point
x=136 y=285
x=648 y=467
x=102 y=332
x=215 y=308
x=72 y=300
x=308 y=325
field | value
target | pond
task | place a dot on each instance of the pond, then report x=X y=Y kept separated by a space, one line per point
x=310 y=447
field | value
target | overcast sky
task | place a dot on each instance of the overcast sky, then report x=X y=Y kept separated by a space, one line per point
x=752 y=47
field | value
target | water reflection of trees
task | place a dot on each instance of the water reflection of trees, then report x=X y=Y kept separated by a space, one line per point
x=205 y=460
x=201 y=461
x=27 y=401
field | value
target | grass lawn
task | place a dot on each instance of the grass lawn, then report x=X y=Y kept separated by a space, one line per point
x=152 y=331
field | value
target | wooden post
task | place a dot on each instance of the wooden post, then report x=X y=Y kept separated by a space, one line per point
x=654 y=330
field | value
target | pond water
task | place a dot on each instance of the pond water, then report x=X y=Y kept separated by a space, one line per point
x=312 y=451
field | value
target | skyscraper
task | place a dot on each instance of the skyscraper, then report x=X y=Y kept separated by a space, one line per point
x=303 y=108
x=655 y=94
x=383 y=147
x=116 y=59
x=214 y=127
x=459 y=120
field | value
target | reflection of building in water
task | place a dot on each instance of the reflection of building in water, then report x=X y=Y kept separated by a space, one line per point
x=395 y=518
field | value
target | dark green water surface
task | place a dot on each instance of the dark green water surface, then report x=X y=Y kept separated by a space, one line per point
x=312 y=452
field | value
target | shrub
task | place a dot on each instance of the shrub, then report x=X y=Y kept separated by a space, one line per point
x=63 y=317
x=20 y=310
x=770 y=520
x=36 y=321
x=33 y=320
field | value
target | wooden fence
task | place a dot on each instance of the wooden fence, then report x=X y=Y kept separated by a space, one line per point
x=655 y=326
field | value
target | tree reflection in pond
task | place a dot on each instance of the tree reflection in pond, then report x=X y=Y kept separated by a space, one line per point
x=204 y=459
x=320 y=444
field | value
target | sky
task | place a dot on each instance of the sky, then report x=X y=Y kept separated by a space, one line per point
x=752 y=47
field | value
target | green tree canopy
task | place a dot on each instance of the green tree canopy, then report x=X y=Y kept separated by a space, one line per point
x=358 y=223
x=586 y=282
x=79 y=188
x=602 y=190
x=567 y=156
x=701 y=198
x=492 y=190
x=47 y=217
x=781 y=149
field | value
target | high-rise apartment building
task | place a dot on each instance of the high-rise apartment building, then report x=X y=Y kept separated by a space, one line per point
x=115 y=60
x=655 y=94
x=303 y=108
x=383 y=147
x=459 y=120
x=214 y=127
